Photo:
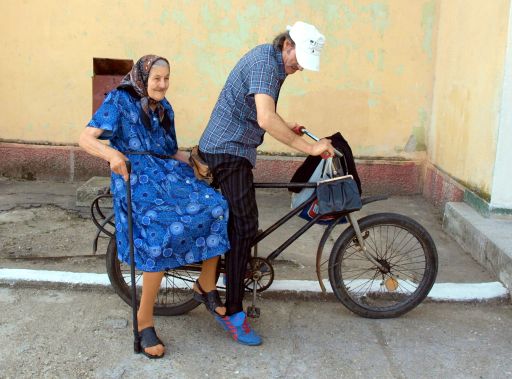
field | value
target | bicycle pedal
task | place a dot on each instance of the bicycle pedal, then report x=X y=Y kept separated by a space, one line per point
x=253 y=312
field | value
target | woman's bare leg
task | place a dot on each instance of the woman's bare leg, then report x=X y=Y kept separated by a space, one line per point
x=150 y=286
x=208 y=277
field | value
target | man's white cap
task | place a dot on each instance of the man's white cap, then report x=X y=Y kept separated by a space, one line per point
x=308 y=44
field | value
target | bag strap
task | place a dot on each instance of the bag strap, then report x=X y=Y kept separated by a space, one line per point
x=343 y=172
x=328 y=168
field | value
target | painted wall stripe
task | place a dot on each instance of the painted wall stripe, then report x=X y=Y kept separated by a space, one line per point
x=440 y=291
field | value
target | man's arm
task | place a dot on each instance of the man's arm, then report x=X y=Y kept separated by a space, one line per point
x=272 y=123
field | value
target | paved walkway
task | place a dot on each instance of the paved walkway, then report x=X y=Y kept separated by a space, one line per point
x=59 y=318
x=84 y=334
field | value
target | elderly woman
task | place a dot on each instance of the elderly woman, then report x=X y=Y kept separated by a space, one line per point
x=177 y=219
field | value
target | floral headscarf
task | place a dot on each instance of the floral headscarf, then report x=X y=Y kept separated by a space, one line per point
x=136 y=82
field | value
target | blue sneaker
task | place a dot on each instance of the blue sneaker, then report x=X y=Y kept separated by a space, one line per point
x=239 y=329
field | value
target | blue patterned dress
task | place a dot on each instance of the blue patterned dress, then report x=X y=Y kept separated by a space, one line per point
x=177 y=219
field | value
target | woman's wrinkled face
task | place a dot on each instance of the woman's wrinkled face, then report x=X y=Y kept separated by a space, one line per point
x=158 y=82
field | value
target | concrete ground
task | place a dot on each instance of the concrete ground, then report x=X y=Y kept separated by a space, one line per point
x=83 y=334
x=70 y=332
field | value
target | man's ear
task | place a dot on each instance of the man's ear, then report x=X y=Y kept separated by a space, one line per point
x=287 y=45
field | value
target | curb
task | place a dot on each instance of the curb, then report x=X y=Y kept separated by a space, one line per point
x=487 y=240
x=455 y=292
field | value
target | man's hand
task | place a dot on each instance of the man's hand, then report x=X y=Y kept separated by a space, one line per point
x=117 y=162
x=322 y=147
x=272 y=123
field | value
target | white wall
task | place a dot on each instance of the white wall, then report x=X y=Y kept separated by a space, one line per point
x=501 y=195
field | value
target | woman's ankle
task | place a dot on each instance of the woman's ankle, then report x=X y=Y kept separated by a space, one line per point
x=205 y=286
x=144 y=322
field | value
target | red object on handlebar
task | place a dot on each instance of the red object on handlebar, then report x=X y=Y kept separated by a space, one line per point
x=299 y=130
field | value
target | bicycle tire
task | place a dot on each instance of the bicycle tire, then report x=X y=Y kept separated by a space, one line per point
x=172 y=299
x=398 y=242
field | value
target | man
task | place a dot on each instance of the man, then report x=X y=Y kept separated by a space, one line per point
x=245 y=110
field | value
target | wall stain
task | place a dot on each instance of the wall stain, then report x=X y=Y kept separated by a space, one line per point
x=197 y=42
x=130 y=53
x=380 y=59
x=332 y=12
x=206 y=15
x=164 y=16
x=374 y=88
x=179 y=17
x=372 y=102
x=420 y=130
x=349 y=17
x=370 y=55
x=225 y=5
x=374 y=92
x=232 y=39
x=379 y=15
x=427 y=24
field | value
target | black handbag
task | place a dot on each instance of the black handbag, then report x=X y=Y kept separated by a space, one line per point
x=338 y=194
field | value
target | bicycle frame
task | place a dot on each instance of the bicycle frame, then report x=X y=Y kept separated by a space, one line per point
x=286 y=217
x=337 y=216
x=261 y=236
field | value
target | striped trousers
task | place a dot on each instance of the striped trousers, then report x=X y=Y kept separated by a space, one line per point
x=234 y=177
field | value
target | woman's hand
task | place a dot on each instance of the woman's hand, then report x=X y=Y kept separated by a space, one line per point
x=90 y=143
x=182 y=156
x=117 y=162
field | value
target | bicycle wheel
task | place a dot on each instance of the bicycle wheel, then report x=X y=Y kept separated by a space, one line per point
x=175 y=294
x=408 y=258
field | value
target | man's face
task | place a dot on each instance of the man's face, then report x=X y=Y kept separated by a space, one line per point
x=289 y=59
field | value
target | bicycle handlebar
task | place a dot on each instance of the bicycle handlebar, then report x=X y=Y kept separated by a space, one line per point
x=303 y=130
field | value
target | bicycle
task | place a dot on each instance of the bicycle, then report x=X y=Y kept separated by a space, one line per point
x=381 y=266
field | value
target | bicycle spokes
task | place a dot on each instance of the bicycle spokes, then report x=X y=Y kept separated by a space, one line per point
x=398 y=277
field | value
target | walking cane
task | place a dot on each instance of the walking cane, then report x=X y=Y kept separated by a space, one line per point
x=136 y=337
